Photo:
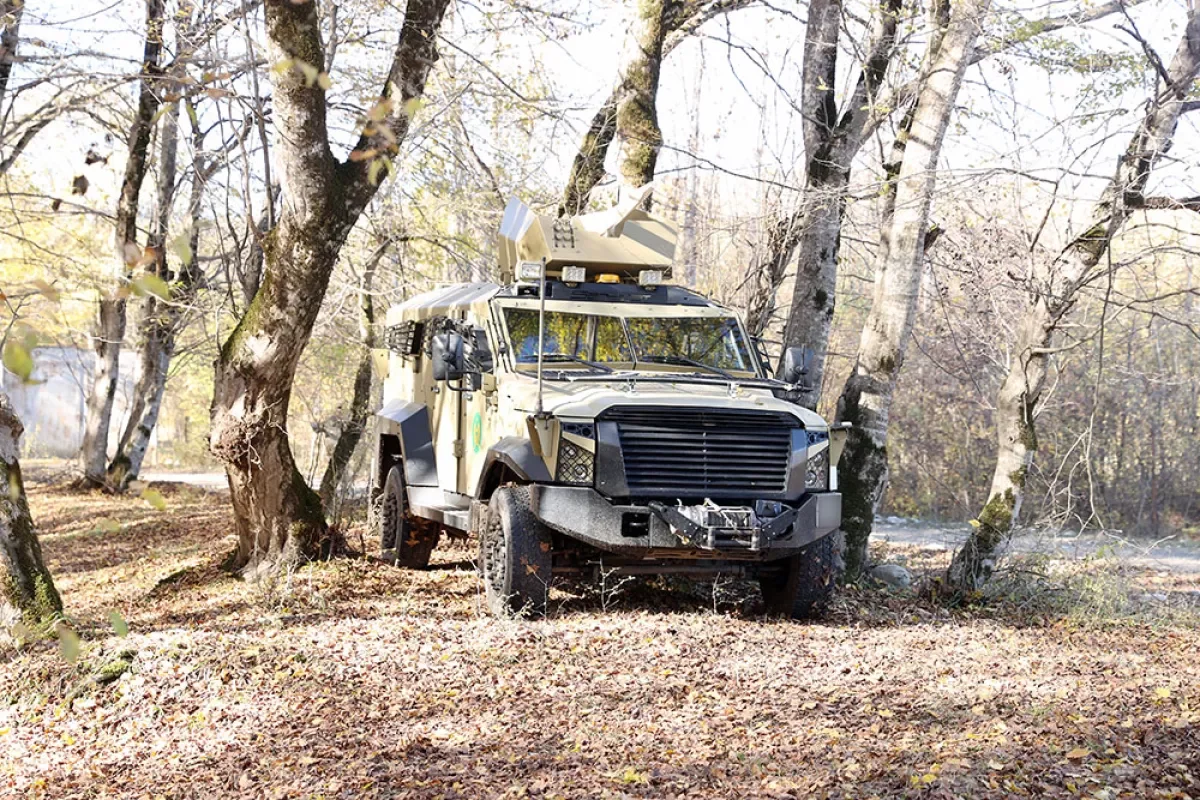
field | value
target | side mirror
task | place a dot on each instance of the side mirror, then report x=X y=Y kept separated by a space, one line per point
x=447 y=356
x=794 y=364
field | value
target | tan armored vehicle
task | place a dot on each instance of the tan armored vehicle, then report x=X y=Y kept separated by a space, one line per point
x=582 y=415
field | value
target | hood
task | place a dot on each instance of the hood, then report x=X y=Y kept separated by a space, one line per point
x=588 y=399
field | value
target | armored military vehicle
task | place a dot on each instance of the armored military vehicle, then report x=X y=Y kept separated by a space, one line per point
x=584 y=416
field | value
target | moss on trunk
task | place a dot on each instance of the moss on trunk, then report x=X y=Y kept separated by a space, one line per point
x=862 y=472
x=27 y=584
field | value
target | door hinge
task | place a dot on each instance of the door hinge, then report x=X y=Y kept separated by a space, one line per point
x=459 y=448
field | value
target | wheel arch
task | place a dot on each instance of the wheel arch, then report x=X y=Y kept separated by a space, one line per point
x=510 y=460
x=403 y=434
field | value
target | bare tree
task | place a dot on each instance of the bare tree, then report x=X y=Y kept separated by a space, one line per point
x=833 y=137
x=867 y=395
x=1054 y=290
x=110 y=325
x=279 y=517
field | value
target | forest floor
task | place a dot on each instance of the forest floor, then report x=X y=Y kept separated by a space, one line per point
x=356 y=679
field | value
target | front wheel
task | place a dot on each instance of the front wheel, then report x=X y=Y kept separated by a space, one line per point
x=514 y=556
x=806 y=583
x=401 y=539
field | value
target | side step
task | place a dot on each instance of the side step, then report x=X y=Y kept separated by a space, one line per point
x=429 y=502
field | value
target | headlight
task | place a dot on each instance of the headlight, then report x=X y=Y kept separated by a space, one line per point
x=816 y=473
x=575 y=465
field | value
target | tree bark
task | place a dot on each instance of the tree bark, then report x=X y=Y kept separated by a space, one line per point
x=816 y=221
x=638 y=134
x=154 y=346
x=831 y=142
x=11 y=10
x=867 y=396
x=110 y=328
x=360 y=404
x=279 y=518
x=29 y=592
x=662 y=26
x=1052 y=294
x=160 y=318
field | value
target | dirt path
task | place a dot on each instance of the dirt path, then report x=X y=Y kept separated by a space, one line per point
x=1171 y=554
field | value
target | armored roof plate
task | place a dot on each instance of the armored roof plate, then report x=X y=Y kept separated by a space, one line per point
x=622 y=240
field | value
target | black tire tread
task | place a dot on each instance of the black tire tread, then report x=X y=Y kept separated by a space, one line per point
x=808 y=581
x=411 y=544
x=526 y=565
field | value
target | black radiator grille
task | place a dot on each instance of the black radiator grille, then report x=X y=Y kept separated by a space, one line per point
x=697 y=452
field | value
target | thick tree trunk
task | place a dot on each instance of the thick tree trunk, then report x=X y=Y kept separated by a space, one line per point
x=588 y=166
x=767 y=271
x=28 y=590
x=638 y=134
x=110 y=328
x=279 y=518
x=867 y=396
x=810 y=316
x=1051 y=297
x=675 y=20
x=360 y=404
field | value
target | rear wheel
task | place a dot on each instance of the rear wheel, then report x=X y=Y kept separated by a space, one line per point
x=803 y=587
x=402 y=540
x=514 y=556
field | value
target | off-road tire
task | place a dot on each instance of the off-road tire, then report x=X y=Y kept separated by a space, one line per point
x=808 y=579
x=401 y=540
x=514 y=556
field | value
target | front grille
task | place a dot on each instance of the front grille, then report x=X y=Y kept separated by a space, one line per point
x=703 y=452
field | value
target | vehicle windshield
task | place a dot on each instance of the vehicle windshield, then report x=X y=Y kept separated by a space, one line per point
x=670 y=343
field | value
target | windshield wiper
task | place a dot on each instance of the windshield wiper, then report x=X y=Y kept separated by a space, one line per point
x=560 y=357
x=687 y=362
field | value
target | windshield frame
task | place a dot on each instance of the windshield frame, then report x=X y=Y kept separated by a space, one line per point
x=564 y=371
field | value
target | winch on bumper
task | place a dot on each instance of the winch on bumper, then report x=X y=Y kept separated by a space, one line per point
x=763 y=531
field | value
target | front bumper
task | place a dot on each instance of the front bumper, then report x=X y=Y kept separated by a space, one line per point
x=661 y=529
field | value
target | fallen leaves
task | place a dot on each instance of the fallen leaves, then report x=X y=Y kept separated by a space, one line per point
x=361 y=679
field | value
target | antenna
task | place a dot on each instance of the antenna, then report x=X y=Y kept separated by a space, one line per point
x=541 y=335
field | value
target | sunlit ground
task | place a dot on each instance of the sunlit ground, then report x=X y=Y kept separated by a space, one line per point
x=357 y=679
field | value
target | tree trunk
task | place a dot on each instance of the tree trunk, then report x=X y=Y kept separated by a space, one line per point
x=1051 y=296
x=672 y=22
x=11 y=12
x=157 y=343
x=588 y=167
x=110 y=328
x=867 y=396
x=831 y=142
x=810 y=316
x=279 y=518
x=29 y=592
x=360 y=404
x=638 y=134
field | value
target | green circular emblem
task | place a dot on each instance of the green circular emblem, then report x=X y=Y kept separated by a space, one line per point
x=476 y=431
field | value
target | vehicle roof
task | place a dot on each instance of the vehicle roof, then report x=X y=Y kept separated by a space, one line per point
x=461 y=295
